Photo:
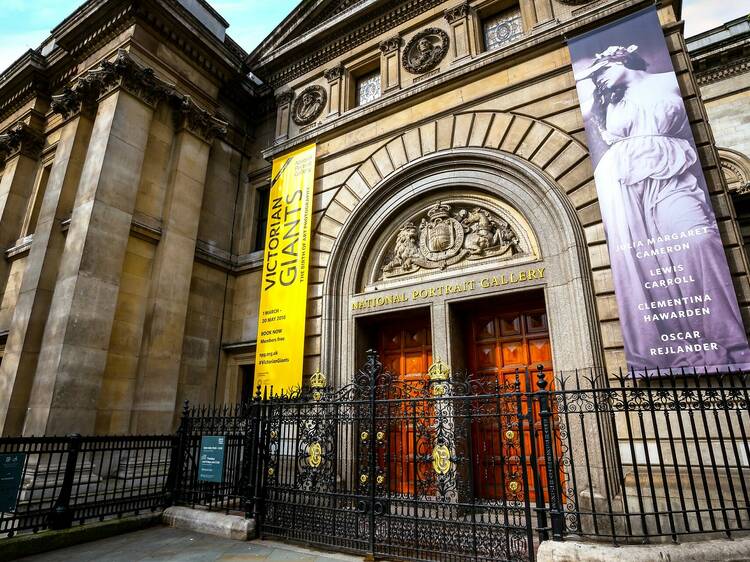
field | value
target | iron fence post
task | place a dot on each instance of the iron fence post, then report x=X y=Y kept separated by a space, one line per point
x=372 y=371
x=61 y=516
x=177 y=460
x=550 y=462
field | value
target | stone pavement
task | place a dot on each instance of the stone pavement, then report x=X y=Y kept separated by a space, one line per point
x=166 y=544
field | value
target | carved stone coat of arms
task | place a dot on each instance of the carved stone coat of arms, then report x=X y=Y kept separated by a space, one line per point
x=445 y=237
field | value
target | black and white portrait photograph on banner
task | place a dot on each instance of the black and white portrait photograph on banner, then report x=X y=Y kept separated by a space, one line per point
x=675 y=295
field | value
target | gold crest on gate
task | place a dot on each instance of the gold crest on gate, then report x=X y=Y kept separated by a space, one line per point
x=441 y=459
x=315 y=454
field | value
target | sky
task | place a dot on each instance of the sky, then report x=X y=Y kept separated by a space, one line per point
x=25 y=24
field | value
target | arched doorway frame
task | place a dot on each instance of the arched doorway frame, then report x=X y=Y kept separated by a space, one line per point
x=574 y=328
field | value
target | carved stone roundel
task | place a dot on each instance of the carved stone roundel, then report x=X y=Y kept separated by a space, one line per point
x=425 y=50
x=309 y=105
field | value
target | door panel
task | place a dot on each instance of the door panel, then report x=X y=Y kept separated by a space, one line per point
x=406 y=348
x=506 y=338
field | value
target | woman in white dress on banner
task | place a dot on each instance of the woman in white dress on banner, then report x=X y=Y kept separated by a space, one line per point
x=673 y=285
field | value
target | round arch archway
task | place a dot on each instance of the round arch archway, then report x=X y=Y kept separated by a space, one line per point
x=455 y=173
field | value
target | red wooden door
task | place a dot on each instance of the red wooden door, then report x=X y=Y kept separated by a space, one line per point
x=512 y=337
x=406 y=352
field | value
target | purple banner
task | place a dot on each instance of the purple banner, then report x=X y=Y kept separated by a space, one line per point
x=674 y=291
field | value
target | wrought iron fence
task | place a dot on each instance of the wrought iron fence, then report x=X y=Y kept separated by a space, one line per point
x=239 y=426
x=648 y=457
x=72 y=480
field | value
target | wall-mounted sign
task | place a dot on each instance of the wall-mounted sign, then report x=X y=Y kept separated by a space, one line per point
x=211 y=459
x=11 y=475
x=675 y=296
x=283 y=293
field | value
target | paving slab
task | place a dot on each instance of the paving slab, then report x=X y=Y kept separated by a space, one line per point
x=167 y=544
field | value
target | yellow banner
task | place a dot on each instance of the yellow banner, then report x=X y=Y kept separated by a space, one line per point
x=283 y=296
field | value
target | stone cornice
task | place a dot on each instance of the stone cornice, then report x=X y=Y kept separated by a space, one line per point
x=723 y=72
x=127 y=74
x=21 y=139
x=392 y=13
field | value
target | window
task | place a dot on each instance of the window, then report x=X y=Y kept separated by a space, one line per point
x=368 y=87
x=33 y=213
x=502 y=28
x=261 y=218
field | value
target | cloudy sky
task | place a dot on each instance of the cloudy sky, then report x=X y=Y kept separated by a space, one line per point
x=25 y=24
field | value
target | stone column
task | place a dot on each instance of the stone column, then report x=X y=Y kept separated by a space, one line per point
x=20 y=147
x=283 y=114
x=30 y=313
x=391 y=63
x=335 y=77
x=461 y=42
x=159 y=365
x=76 y=337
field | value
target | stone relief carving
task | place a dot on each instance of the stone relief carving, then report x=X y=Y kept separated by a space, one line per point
x=309 y=105
x=446 y=237
x=391 y=44
x=334 y=73
x=457 y=12
x=425 y=50
x=21 y=138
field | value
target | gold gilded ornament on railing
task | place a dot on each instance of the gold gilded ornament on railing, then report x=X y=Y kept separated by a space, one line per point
x=441 y=459
x=315 y=455
x=318 y=381
x=439 y=371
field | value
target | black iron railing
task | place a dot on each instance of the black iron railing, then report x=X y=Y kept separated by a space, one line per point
x=72 y=480
x=641 y=458
x=423 y=468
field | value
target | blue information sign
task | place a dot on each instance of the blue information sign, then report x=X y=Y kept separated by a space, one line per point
x=11 y=473
x=211 y=462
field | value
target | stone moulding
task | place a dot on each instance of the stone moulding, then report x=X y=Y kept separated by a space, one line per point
x=425 y=50
x=125 y=73
x=21 y=138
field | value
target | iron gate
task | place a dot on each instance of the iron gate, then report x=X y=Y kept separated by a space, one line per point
x=434 y=470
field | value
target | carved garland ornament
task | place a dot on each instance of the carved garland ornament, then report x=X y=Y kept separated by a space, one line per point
x=309 y=105
x=444 y=238
x=425 y=50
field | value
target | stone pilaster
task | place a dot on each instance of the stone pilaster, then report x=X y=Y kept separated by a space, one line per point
x=459 y=19
x=161 y=349
x=544 y=13
x=21 y=147
x=76 y=336
x=390 y=63
x=283 y=114
x=38 y=283
x=335 y=77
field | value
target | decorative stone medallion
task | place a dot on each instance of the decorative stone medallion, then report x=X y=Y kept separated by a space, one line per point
x=425 y=50
x=445 y=237
x=309 y=105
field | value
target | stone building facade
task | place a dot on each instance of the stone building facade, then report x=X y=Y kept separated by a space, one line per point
x=137 y=144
